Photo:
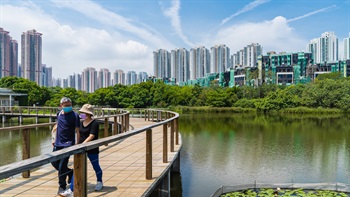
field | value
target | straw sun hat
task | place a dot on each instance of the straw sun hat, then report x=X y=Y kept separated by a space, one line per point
x=87 y=109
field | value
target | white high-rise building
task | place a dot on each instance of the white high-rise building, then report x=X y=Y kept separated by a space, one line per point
x=141 y=77
x=71 y=81
x=77 y=81
x=161 y=63
x=248 y=56
x=199 y=62
x=119 y=77
x=219 y=58
x=347 y=48
x=89 y=80
x=180 y=65
x=31 y=55
x=49 y=76
x=104 y=78
x=324 y=49
x=131 y=78
x=56 y=82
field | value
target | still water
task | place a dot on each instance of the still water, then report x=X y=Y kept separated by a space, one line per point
x=243 y=148
x=230 y=149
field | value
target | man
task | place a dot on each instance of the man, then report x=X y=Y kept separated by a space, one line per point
x=68 y=124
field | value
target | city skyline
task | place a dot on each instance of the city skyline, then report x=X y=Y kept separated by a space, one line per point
x=116 y=35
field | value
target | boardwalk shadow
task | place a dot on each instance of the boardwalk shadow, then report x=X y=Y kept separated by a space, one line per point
x=26 y=181
x=105 y=190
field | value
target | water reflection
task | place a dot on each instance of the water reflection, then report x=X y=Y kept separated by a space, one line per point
x=11 y=141
x=243 y=148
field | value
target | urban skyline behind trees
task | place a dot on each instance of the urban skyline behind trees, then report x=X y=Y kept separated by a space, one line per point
x=328 y=91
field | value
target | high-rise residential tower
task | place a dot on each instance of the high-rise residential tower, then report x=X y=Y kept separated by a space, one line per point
x=199 y=62
x=248 y=56
x=219 y=58
x=119 y=77
x=131 y=77
x=141 y=77
x=161 y=63
x=8 y=54
x=324 y=48
x=31 y=55
x=104 y=78
x=13 y=58
x=49 y=76
x=71 y=81
x=180 y=65
x=78 y=81
x=89 y=80
x=347 y=48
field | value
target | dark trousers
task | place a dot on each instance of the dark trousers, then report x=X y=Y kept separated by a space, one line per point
x=63 y=171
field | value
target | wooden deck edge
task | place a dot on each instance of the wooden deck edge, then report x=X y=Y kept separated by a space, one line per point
x=155 y=183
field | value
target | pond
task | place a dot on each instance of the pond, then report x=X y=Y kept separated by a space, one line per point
x=236 y=149
x=226 y=149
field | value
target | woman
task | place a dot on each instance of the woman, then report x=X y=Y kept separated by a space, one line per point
x=88 y=131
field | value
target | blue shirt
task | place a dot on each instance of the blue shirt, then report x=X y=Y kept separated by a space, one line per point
x=66 y=124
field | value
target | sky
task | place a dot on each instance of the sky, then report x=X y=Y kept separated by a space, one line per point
x=122 y=34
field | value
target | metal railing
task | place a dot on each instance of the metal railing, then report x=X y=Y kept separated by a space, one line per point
x=164 y=119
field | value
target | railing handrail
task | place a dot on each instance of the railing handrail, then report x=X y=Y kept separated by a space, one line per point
x=34 y=162
x=30 y=126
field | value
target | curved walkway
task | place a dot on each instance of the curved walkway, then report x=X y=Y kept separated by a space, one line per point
x=123 y=164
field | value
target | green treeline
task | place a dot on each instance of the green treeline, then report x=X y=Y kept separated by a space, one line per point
x=329 y=92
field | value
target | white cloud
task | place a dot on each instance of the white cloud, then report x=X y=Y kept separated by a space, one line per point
x=274 y=35
x=174 y=15
x=246 y=8
x=71 y=49
x=96 y=12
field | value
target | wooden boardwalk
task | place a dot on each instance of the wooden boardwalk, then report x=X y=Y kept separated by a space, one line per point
x=123 y=164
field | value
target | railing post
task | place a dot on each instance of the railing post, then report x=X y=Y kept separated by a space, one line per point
x=26 y=149
x=172 y=149
x=127 y=122
x=80 y=177
x=148 y=114
x=28 y=111
x=177 y=131
x=152 y=115
x=115 y=125
x=165 y=143
x=149 y=154
x=167 y=117
x=145 y=114
x=106 y=127
x=123 y=123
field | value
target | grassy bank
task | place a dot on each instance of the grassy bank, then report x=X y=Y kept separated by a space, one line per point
x=206 y=109
x=296 y=110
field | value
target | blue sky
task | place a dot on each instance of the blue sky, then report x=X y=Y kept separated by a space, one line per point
x=123 y=34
